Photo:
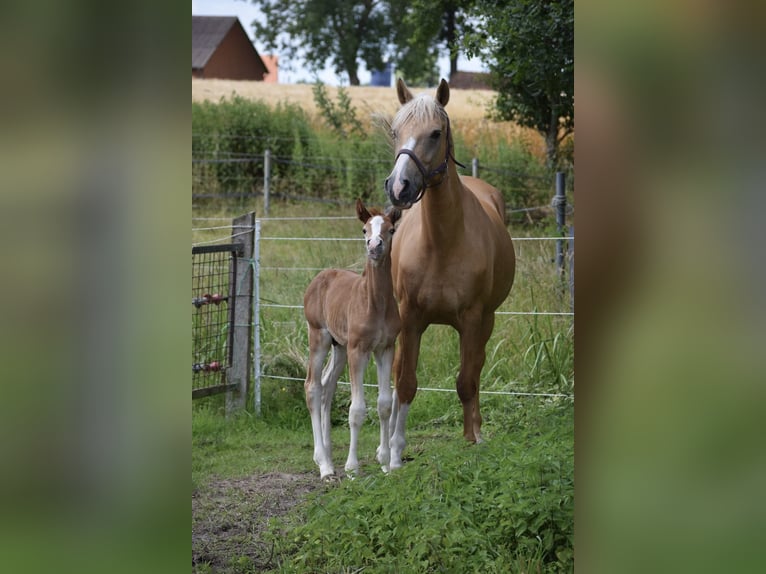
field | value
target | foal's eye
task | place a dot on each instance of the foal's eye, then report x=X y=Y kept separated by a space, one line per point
x=391 y=231
x=436 y=134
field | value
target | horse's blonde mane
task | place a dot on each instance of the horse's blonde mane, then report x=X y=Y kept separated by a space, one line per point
x=421 y=108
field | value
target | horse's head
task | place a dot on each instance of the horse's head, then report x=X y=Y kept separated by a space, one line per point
x=378 y=230
x=422 y=140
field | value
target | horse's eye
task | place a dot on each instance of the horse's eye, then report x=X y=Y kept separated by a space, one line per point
x=436 y=134
x=364 y=231
x=391 y=231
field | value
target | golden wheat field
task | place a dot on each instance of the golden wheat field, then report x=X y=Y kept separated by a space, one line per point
x=467 y=108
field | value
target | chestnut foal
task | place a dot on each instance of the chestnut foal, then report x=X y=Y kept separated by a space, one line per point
x=356 y=316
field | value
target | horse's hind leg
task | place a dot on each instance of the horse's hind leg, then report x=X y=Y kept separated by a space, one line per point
x=474 y=334
x=330 y=377
x=319 y=345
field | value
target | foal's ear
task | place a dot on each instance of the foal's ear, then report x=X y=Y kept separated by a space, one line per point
x=442 y=93
x=405 y=95
x=394 y=214
x=361 y=211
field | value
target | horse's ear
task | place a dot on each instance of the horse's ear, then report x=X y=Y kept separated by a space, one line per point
x=361 y=211
x=442 y=93
x=405 y=95
x=394 y=214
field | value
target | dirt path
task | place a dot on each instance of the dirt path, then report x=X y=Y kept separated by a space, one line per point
x=230 y=517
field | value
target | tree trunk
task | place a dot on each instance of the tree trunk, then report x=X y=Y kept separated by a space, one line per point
x=450 y=34
x=552 y=146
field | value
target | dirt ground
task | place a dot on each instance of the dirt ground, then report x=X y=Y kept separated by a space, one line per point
x=230 y=517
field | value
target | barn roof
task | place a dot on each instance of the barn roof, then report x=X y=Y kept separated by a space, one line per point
x=207 y=34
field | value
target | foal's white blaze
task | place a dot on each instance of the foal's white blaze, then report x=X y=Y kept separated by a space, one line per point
x=375 y=238
x=401 y=165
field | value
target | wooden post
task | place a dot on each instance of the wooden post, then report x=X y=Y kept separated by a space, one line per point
x=242 y=287
x=475 y=167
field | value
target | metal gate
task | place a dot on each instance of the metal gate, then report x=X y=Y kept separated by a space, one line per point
x=214 y=268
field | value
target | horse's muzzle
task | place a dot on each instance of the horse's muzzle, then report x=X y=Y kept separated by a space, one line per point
x=403 y=195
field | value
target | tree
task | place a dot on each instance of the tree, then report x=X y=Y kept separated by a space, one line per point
x=529 y=46
x=340 y=32
x=440 y=22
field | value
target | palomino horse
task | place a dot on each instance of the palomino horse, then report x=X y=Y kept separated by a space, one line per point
x=453 y=261
x=357 y=316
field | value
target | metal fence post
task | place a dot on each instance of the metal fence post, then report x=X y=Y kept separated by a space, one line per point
x=475 y=167
x=266 y=180
x=257 y=318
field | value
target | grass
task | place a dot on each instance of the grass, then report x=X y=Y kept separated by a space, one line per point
x=505 y=505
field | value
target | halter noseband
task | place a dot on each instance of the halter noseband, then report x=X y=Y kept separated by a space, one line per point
x=442 y=167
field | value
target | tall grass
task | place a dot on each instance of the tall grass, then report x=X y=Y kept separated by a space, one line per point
x=340 y=158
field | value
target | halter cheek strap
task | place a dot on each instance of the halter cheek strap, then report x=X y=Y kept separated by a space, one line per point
x=440 y=169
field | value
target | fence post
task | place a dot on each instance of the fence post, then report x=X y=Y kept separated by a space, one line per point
x=242 y=287
x=560 y=204
x=256 y=306
x=266 y=180
x=475 y=167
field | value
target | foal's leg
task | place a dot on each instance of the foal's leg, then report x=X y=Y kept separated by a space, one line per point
x=357 y=362
x=330 y=377
x=474 y=334
x=319 y=345
x=405 y=367
x=384 y=361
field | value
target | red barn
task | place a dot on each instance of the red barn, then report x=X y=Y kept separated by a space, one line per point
x=222 y=49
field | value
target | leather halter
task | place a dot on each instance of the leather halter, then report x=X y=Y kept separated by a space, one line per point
x=440 y=169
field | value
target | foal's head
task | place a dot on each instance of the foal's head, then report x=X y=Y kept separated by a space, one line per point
x=378 y=230
x=421 y=136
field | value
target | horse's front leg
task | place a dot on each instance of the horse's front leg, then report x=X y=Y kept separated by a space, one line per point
x=384 y=361
x=357 y=363
x=474 y=334
x=405 y=371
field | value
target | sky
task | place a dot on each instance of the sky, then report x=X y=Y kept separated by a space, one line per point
x=248 y=12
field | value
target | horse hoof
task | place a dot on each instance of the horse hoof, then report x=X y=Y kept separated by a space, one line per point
x=327 y=474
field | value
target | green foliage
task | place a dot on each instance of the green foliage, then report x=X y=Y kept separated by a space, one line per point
x=497 y=507
x=340 y=117
x=530 y=47
x=339 y=32
x=240 y=129
x=423 y=30
x=341 y=161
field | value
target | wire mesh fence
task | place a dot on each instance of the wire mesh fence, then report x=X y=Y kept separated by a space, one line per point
x=213 y=308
